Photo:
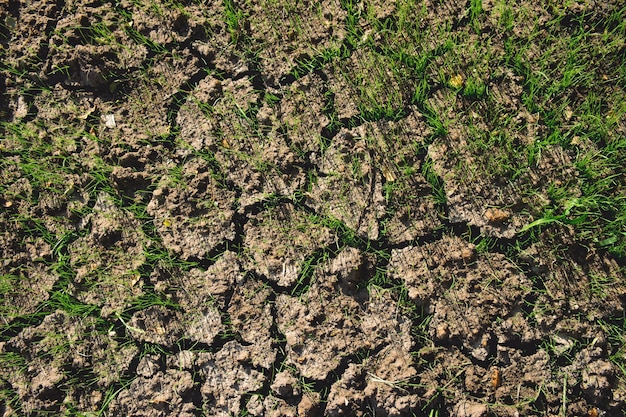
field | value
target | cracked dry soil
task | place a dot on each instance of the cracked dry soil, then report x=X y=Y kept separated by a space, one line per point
x=193 y=230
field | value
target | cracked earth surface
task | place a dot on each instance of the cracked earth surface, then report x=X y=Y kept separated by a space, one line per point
x=214 y=220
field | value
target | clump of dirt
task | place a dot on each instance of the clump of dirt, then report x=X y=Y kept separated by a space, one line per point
x=107 y=260
x=279 y=241
x=21 y=294
x=160 y=325
x=377 y=384
x=578 y=281
x=301 y=113
x=252 y=317
x=192 y=213
x=465 y=291
x=228 y=377
x=371 y=177
x=76 y=347
x=155 y=392
x=410 y=209
x=336 y=316
x=258 y=165
x=199 y=287
x=349 y=188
